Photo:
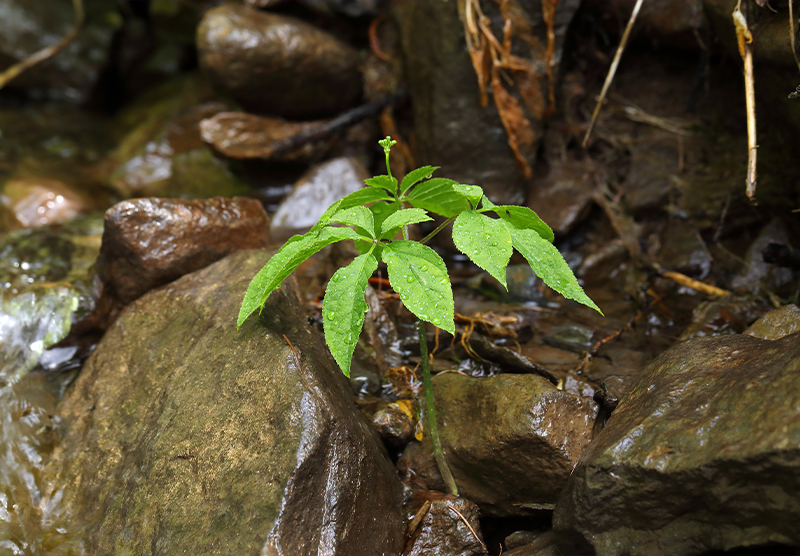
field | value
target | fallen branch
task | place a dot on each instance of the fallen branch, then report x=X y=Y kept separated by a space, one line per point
x=612 y=70
x=47 y=52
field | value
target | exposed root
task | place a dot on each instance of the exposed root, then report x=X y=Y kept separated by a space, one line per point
x=745 y=40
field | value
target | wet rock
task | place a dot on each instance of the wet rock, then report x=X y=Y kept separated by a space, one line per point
x=150 y=242
x=700 y=455
x=661 y=23
x=683 y=251
x=394 y=426
x=570 y=337
x=443 y=532
x=511 y=441
x=314 y=192
x=528 y=543
x=758 y=275
x=729 y=315
x=37 y=202
x=47 y=288
x=185 y=434
x=776 y=324
x=452 y=129
x=240 y=135
x=564 y=196
x=71 y=75
x=277 y=64
x=162 y=153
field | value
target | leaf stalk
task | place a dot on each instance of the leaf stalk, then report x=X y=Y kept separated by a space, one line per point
x=430 y=414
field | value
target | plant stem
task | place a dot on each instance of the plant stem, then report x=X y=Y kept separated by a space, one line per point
x=430 y=414
x=438 y=229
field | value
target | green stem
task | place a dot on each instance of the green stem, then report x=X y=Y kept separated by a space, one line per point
x=430 y=414
x=438 y=229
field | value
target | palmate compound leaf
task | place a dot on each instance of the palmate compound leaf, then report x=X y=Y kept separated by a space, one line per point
x=404 y=217
x=438 y=196
x=356 y=198
x=485 y=241
x=548 y=264
x=283 y=263
x=419 y=275
x=415 y=176
x=525 y=218
x=356 y=216
x=344 y=306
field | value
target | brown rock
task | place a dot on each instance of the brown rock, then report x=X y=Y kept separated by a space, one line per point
x=150 y=242
x=511 y=441
x=277 y=64
x=241 y=135
x=41 y=201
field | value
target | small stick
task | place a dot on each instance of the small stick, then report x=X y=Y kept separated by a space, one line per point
x=745 y=41
x=696 y=285
x=474 y=534
x=48 y=51
x=792 y=35
x=294 y=351
x=418 y=518
x=612 y=70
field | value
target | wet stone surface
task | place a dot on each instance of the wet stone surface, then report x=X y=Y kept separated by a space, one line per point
x=276 y=64
x=700 y=455
x=150 y=242
x=448 y=527
x=185 y=434
x=511 y=441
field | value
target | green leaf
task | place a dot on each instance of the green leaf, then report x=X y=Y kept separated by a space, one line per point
x=415 y=176
x=486 y=203
x=404 y=217
x=473 y=193
x=548 y=264
x=385 y=182
x=344 y=306
x=356 y=216
x=438 y=196
x=419 y=275
x=360 y=197
x=485 y=241
x=525 y=218
x=283 y=263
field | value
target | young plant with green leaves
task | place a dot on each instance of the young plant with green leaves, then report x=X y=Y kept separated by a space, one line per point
x=372 y=217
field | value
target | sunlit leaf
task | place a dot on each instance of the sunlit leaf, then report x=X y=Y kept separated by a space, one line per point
x=404 y=217
x=283 y=263
x=472 y=193
x=415 y=176
x=419 y=275
x=525 y=218
x=360 y=197
x=344 y=306
x=356 y=216
x=485 y=241
x=548 y=264
x=384 y=182
x=438 y=196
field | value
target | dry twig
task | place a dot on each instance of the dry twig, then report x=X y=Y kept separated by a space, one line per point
x=745 y=40
x=47 y=52
x=792 y=34
x=612 y=70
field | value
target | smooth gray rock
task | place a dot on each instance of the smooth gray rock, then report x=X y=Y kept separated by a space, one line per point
x=701 y=455
x=184 y=435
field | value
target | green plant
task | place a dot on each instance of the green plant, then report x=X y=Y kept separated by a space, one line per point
x=377 y=214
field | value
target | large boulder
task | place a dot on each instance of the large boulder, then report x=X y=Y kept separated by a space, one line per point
x=511 y=441
x=149 y=242
x=701 y=455
x=278 y=64
x=184 y=435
